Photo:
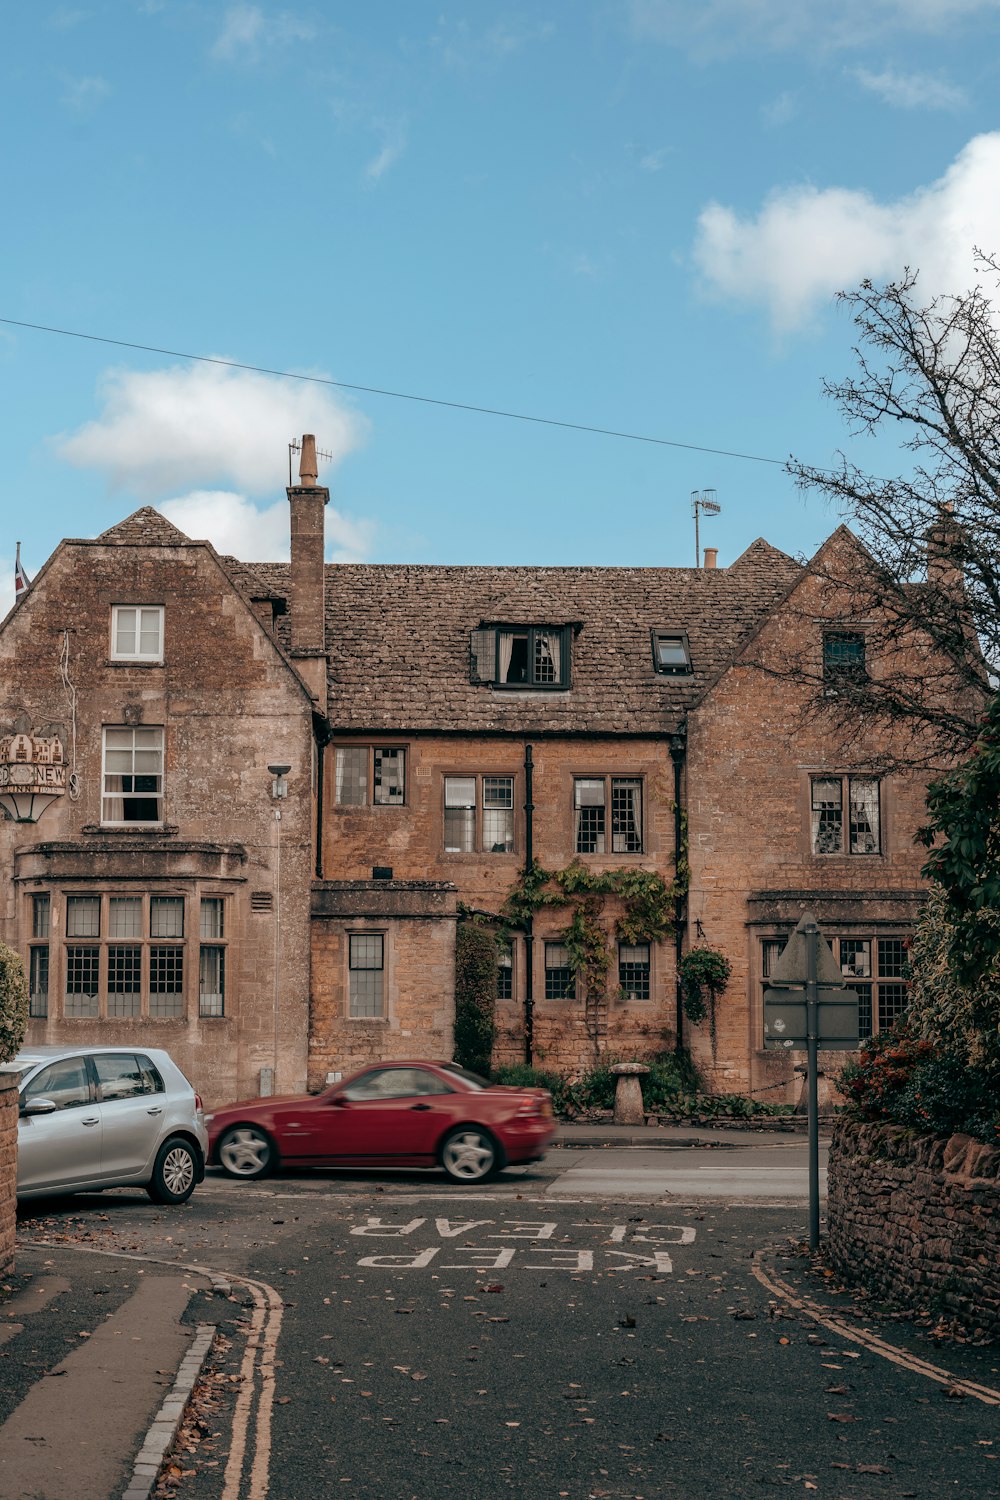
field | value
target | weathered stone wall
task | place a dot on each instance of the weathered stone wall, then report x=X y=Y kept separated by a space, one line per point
x=417 y=924
x=410 y=840
x=916 y=1219
x=753 y=748
x=8 y=1168
x=229 y=704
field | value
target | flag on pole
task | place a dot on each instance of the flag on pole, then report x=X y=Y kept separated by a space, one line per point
x=21 y=579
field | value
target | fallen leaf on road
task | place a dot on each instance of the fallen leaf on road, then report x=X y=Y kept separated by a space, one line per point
x=872 y=1469
x=840 y=1416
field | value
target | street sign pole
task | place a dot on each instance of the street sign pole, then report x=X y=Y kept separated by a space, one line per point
x=812 y=1062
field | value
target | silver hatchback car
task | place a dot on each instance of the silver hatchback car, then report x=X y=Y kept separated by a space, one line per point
x=101 y=1117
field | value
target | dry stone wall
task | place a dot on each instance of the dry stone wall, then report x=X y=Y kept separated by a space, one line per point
x=8 y=1169
x=915 y=1219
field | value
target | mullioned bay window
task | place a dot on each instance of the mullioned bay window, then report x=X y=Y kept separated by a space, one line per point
x=873 y=965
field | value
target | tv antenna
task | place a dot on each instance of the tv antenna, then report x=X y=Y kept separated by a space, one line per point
x=295 y=446
x=703 y=502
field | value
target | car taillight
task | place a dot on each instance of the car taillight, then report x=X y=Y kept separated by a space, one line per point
x=198 y=1104
x=530 y=1107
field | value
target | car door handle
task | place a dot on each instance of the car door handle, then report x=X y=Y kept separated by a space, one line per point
x=91 y=1120
x=420 y=1106
x=157 y=1109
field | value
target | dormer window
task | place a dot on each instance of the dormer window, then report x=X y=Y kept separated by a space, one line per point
x=671 y=652
x=521 y=656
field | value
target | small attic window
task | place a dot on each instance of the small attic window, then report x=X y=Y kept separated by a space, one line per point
x=671 y=652
x=521 y=656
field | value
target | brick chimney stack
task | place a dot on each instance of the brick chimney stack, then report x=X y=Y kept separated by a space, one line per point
x=711 y=557
x=306 y=602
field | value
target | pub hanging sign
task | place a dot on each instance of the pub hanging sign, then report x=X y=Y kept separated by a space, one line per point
x=32 y=775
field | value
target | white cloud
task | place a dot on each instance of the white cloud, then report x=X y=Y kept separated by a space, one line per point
x=723 y=27
x=807 y=243
x=782 y=110
x=462 y=47
x=912 y=90
x=199 y=425
x=654 y=161
x=233 y=524
x=248 y=31
x=85 y=93
x=393 y=146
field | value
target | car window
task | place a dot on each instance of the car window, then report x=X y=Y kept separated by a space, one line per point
x=471 y=1078
x=152 y=1082
x=119 y=1076
x=395 y=1083
x=66 y=1083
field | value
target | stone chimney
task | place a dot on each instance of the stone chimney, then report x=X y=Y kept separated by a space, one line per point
x=943 y=552
x=711 y=557
x=306 y=591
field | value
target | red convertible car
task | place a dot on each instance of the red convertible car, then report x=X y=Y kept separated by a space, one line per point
x=400 y=1114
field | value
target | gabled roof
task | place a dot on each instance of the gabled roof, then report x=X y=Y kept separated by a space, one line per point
x=144 y=528
x=398 y=637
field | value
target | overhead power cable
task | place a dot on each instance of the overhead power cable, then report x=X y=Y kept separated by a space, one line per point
x=374 y=390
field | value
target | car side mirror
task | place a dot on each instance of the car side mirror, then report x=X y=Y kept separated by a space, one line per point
x=339 y=1101
x=39 y=1106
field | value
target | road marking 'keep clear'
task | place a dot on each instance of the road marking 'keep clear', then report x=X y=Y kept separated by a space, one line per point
x=535 y=1250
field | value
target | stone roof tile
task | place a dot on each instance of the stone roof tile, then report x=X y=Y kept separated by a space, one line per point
x=145 y=527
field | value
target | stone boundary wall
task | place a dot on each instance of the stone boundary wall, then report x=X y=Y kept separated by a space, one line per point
x=8 y=1168
x=916 y=1219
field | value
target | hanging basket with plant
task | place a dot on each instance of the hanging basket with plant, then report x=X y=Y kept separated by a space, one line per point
x=704 y=974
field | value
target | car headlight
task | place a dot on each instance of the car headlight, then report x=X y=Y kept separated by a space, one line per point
x=209 y=1119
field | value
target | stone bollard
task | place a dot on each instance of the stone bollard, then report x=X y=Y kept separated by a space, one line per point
x=628 y=1092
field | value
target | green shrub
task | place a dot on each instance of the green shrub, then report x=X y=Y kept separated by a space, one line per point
x=13 y=1003
x=942 y=1097
x=475 y=995
x=520 y=1076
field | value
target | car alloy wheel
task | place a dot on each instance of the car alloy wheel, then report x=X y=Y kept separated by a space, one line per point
x=175 y=1173
x=469 y=1154
x=246 y=1151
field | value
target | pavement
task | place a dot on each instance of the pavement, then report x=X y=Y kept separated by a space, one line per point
x=108 y=1346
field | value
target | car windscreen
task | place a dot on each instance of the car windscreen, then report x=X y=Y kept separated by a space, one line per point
x=473 y=1079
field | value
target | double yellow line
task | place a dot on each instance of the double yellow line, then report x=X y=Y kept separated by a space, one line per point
x=871 y=1341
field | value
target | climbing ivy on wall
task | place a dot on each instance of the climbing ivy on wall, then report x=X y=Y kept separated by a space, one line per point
x=647 y=900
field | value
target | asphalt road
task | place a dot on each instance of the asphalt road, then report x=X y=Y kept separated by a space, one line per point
x=409 y=1339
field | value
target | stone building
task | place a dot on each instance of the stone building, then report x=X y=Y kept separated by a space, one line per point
x=443 y=728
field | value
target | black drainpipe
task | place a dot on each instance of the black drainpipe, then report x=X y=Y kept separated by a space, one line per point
x=324 y=734
x=678 y=746
x=529 y=966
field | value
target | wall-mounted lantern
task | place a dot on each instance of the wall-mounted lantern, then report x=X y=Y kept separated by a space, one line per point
x=32 y=775
x=279 y=786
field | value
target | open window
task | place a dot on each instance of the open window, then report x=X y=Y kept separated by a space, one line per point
x=521 y=656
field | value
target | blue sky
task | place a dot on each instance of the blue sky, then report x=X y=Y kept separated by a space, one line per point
x=630 y=214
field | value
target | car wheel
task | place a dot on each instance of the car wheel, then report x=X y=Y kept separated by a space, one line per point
x=175 y=1172
x=247 y=1151
x=469 y=1154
